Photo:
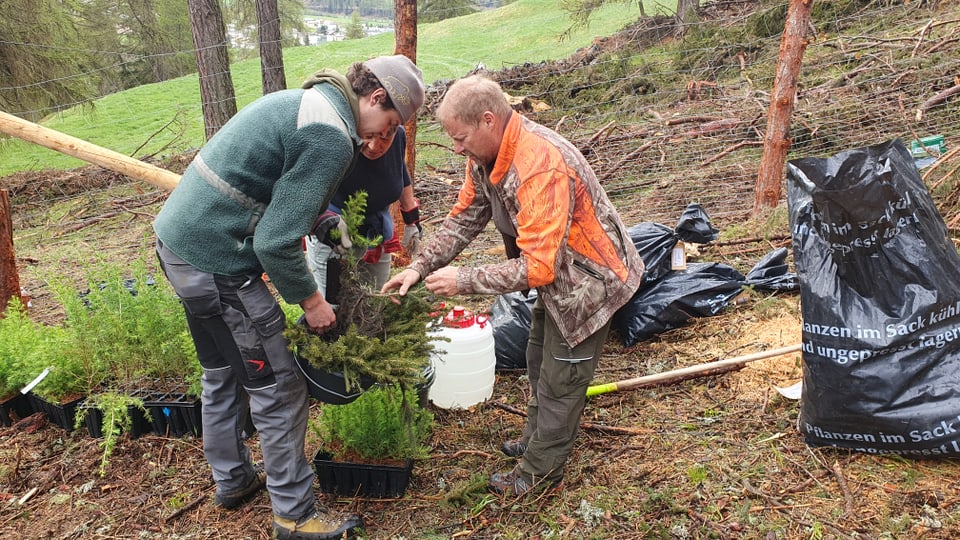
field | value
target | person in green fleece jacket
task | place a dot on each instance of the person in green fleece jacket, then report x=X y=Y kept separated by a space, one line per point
x=240 y=210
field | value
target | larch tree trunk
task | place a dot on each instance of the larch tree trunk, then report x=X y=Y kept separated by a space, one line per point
x=405 y=43
x=9 y=278
x=271 y=52
x=777 y=141
x=213 y=64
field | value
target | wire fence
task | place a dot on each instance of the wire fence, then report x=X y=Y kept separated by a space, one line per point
x=684 y=122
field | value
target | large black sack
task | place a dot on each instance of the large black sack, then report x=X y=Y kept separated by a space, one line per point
x=773 y=273
x=702 y=290
x=654 y=242
x=880 y=297
x=512 y=316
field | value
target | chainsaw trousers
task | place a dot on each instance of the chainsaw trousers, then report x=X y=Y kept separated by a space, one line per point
x=559 y=376
x=237 y=326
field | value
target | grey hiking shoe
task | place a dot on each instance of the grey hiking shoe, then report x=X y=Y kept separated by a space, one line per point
x=317 y=525
x=513 y=484
x=233 y=499
x=514 y=447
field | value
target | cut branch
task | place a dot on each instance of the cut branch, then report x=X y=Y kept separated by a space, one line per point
x=937 y=100
x=687 y=119
x=731 y=149
x=625 y=159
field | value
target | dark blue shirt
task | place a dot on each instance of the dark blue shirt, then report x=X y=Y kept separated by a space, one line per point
x=383 y=179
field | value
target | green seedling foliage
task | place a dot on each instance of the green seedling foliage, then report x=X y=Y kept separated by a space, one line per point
x=115 y=408
x=27 y=348
x=385 y=422
x=375 y=337
x=18 y=334
x=128 y=329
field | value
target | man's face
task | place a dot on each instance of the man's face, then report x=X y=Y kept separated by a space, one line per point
x=377 y=126
x=480 y=143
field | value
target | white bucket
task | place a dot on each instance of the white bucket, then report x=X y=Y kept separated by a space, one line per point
x=464 y=366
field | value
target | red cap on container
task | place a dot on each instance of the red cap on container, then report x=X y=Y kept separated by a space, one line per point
x=459 y=317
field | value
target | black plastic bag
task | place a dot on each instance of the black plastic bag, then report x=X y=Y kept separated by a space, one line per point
x=772 y=273
x=880 y=297
x=654 y=241
x=702 y=290
x=511 y=317
x=694 y=226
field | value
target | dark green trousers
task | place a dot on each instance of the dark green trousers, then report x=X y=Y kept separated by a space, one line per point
x=559 y=377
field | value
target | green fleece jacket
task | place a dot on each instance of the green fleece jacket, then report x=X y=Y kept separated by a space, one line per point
x=255 y=189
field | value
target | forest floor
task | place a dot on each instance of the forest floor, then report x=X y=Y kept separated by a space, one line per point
x=710 y=457
x=715 y=456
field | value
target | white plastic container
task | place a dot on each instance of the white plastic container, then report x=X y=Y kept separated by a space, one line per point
x=465 y=365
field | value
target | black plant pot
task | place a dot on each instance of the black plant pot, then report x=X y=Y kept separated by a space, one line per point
x=14 y=408
x=361 y=479
x=61 y=414
x=174 y=414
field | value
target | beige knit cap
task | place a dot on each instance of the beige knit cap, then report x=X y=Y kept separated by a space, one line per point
x=402 y=80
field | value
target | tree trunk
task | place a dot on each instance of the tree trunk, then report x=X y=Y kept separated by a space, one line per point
x=271 y=52
x=405 y=43
x=213 y=64
x=777 y=140
x=686 y=12
x=9 y=278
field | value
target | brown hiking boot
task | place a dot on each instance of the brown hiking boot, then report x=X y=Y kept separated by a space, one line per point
x=317 y=525
x=512 y=483
x=233 y=499
x=514 y=447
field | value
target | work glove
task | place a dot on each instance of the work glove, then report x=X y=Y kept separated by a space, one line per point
x=330 y=229
x=411 y=238
x=412 y=231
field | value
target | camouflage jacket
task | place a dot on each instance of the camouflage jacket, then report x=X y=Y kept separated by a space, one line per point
x=574 y=248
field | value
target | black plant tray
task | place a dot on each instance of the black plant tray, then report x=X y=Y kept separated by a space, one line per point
x=61 y=414
x=138 y=422
x=361 y=479
x=13 y=408
x=174 y=414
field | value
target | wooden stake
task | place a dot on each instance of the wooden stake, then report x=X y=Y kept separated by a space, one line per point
x=777 y=140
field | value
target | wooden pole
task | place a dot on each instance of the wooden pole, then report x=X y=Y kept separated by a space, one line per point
x=78 y=148
x=9 y=278
x=690 y=372
x=777 y=141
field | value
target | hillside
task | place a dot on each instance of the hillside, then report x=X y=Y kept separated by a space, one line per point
x=711 y=457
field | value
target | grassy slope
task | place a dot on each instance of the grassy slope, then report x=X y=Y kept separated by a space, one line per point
x=165 y=118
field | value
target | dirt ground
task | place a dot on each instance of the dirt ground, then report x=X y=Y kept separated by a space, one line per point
x=709 y=457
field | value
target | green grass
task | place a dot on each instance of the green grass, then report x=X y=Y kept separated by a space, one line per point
x=165 y=118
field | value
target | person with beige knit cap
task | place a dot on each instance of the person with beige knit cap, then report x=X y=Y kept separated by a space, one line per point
x=240 y=210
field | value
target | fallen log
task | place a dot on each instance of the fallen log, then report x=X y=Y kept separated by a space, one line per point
x=78 y=148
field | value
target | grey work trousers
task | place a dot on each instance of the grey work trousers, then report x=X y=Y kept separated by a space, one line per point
x=237 y=326
x=559 y=376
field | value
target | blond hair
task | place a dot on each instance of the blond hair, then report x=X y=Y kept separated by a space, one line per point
x=468 y=98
